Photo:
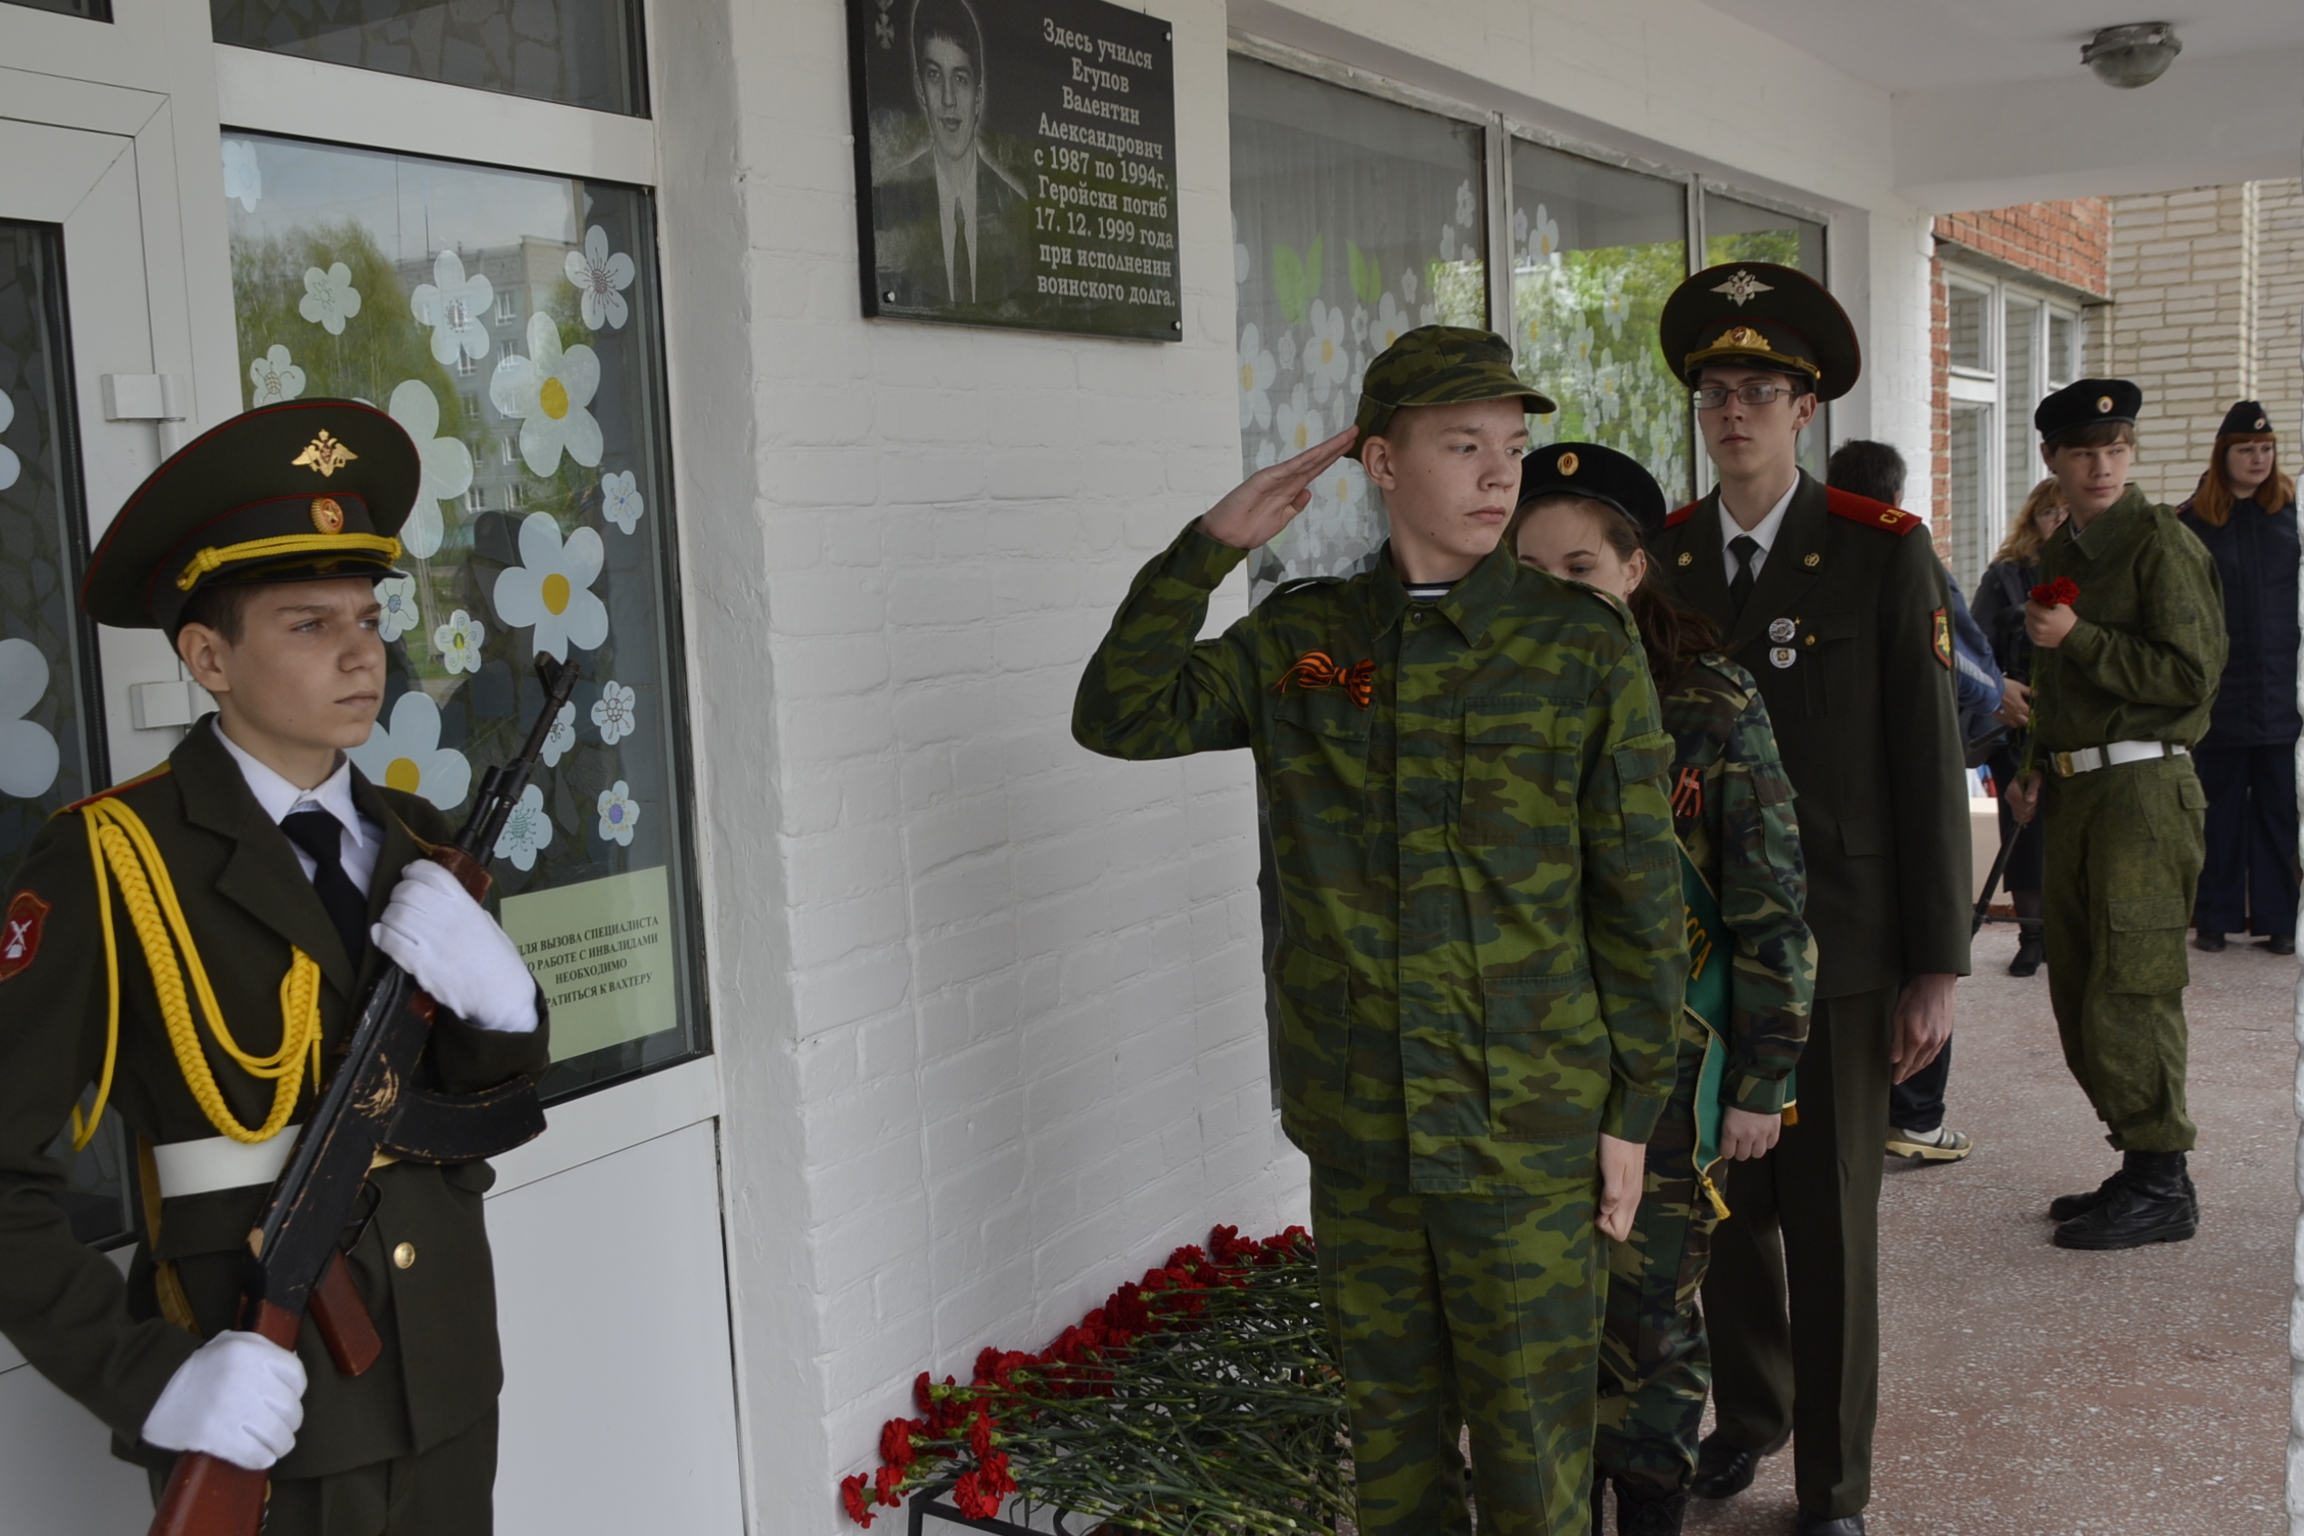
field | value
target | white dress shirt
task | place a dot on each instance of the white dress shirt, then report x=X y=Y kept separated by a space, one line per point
x=956 y=191
x=1764 y=535
x=363 y=840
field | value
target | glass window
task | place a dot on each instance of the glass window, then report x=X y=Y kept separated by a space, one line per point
x=1595 y=253
x=372 y=275
x=1353 y=219
x=2021 y=341
x=1972 y=542
x=1739 y=231
x=585 y=53
x=1968 y=327
x=2063 y=348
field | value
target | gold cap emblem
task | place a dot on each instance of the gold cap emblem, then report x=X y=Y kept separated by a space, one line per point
x=327 y=514
x=1745 y=336
x=2103 y=404
x=324 y=454
x=2259 y=423
x=1568 y=463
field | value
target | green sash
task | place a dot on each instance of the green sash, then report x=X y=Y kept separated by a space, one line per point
x=1711 y=958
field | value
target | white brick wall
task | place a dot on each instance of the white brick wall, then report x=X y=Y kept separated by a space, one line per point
x=987 y=1007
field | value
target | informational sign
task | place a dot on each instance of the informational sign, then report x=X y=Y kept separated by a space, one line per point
x=602 y=952
x=1016 y=164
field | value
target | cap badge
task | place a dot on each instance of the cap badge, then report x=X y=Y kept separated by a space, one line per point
x=1780 y=631
x=327 y=515
x=1568 y=463
x=1741 y=287
x=2103 y=404
x=1745 y=336
x=2259 y=423
x=324 y=454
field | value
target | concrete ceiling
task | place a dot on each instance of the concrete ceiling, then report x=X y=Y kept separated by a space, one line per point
x=1935 y=45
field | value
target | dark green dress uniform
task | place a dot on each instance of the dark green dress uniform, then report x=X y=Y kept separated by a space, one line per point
x=1480 y=968
x=1846 y=630
x=410 y=1445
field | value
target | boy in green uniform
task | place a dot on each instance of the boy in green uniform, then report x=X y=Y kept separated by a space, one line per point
x=193 y=943
x=1481 y=961
x=2125 y=675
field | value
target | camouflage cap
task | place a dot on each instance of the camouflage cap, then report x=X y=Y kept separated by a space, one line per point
x=1440 y=365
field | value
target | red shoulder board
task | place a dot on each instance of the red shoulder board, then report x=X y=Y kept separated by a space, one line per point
x=1681 y=516
x=118 y=789
x=1872 y=514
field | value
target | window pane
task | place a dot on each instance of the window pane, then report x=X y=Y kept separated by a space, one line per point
x=543 y=524
x=2019 y=391
x=2063 y=349
x=1353 y=220
x=1740 y=231
x=585 y=53
x=1968 y=327
x=1972 y=541
x=1595 y=253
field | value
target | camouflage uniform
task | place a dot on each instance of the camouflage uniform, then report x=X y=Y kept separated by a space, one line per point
x=1732 y=808
x=1480 y=968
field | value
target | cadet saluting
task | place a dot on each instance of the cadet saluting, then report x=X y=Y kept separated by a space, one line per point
x=1836 y=604
x=1481 y=963
x=193 y=943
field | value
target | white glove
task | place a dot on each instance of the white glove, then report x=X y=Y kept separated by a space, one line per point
x=436 y=932
x=240 y=1398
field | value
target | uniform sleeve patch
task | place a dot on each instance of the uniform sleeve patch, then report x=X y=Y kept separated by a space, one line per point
x=1944 y=638
x=20 y=932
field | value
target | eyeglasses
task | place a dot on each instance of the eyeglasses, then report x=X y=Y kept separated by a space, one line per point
x=1713 y=396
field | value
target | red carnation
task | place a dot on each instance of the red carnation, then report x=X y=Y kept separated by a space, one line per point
x=896 y=1441
x=980 y=1435
x=2063 y=592
x=888 y=1482
x=852 y=1498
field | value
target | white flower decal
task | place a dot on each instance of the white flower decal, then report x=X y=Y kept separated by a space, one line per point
x=1391 y=323
x=407 y=754
x=548 y=391
x=1256 y=375
x=447 y=467
x=615 y=712
x=453 y=305
x=1300 y=424
x=1240 y=258
x=561 y=737
x=398 y=595
x=458 y=642
x=1448 y=243
x=276 y=377
x=1466 y=204
x=617 y=814
x=28 y=753
x=10 y=465
x=329 y=298
x=243 y=177
x=1325 y=357
x=1341 y=487
x=1359 y=324
x=526 y=830
x=1615 y=309
x=1286 y=353
x=1408 y=285
x=620 y=500
x=1543 y=237
x=602 y=279
x=551 y=587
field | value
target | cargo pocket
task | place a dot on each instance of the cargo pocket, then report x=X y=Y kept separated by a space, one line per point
x=1547 y=1056
x=2145 y=952
x=1516 y=782
x=1641 y=764
x=1315 y=1006
x=1316 y=771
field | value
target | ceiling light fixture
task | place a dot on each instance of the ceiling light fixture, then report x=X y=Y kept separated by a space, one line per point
x=2132 y=55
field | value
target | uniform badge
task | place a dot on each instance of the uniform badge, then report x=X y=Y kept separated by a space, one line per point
x=1740 y=288
x=325 y=454
x=1687 y=557
x=1781 y=630
x=1944 y=639
x=1569 y=463
x=1317 y=669
x=20 y=932
x=2103 y=404
x=1812 y=561
x=1783 y=656
x=327 y=514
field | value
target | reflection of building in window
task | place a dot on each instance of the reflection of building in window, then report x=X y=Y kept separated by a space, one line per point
x=507 y=310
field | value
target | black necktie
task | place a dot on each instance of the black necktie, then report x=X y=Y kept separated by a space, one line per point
x=322 y=837
x=960 y=269
x=1743 y=547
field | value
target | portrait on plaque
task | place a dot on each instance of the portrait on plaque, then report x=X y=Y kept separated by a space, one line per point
x=1015 y=165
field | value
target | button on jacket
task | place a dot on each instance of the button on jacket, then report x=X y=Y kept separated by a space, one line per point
x=1481 y=958
x=2256 y=558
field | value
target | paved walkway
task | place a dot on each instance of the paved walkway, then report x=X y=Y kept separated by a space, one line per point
x=2029 y=1390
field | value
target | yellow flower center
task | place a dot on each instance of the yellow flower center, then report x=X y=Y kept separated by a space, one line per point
x=1247 y=377
x=1327 y=351
x=556 y=593
x=553 y=397
x=403 y=775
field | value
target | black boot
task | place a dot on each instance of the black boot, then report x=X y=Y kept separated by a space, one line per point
x=2152 y=1201
x=2030 y=950
x=2208 y=942
x=2065 y=1207
x=1724 y=1470
x=1643 y=1509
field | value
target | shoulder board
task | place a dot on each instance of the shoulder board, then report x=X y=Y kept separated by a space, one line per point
x=118 y=789
x=1675 y=519
x=1872 y=514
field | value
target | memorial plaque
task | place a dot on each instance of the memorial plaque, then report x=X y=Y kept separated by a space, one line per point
x=1016 y=164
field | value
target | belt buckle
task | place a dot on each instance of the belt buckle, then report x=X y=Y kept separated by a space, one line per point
x=2063 y=761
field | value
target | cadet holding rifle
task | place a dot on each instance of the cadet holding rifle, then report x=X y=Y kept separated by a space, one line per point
x=195 y=943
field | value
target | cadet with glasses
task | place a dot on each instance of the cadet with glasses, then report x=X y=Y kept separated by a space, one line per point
x=1836 y=604
x=1583 y=514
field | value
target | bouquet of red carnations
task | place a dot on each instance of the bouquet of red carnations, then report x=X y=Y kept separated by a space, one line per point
x=1201 y=1398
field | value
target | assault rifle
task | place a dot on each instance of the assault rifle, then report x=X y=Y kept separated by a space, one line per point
x=372 y=1106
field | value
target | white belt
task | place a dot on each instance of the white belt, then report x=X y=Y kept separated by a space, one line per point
x=203 y=1167
x=2112 y=755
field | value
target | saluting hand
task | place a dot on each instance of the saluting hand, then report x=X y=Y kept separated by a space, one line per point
x=1268 y=500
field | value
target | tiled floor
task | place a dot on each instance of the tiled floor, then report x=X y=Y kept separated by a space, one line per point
x=2030 y=1390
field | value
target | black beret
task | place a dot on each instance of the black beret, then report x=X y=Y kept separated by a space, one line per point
x=1602 y=474
x=1764 y=316
x=2249 y=416
x=2087 y=403
x=301 y=491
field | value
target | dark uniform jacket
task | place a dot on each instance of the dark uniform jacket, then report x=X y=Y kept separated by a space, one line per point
x=2256 y=558
x=1862 y=709
x=101 y=1338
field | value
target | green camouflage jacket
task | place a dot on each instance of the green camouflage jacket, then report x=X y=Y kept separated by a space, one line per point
x=1732 y=806
x=1481 y=958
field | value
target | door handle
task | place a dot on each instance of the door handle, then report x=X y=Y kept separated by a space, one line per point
x=145 y=397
